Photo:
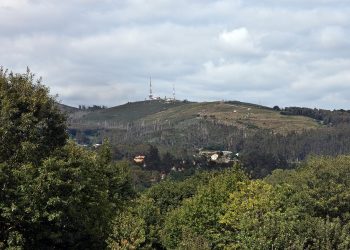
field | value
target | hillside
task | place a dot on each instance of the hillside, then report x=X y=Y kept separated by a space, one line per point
x=182 y=126
x=131 y=111
x=242 y=116
x=265 y=138
x=239 y=115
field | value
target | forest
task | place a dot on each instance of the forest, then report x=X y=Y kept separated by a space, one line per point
x=266 y=138
x=287 y=191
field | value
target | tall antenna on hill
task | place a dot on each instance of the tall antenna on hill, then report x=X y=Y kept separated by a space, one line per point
x=150 y=88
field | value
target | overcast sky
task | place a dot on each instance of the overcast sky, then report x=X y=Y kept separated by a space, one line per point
x=273 y=52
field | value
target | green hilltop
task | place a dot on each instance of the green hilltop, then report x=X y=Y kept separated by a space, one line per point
x=131 y=111
x=236 y=114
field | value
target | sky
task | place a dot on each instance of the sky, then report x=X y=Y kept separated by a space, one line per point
x=273 y=52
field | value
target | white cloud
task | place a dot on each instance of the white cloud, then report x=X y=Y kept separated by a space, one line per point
x=238 y=41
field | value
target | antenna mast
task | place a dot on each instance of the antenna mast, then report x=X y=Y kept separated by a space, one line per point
x=150 y=88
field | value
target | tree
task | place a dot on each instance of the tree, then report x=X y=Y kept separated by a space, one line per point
x=31 y=125
x=68 y=201
x=54 y=194
x=200 y=214
x=168 y=161
x=276 y=108
x=321 y=185
x=31 y=128
x=128 y=231
x=137 y=226
x=149 y=212
x=153 y=158
x=261 y=216
x=257 y=216
x=307 y=208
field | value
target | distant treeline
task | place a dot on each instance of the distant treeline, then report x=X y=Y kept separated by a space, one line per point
x=264 y=151
x=327 y=117
x=92 y=108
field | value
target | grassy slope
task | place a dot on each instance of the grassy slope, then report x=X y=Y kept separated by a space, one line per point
x=241 y=115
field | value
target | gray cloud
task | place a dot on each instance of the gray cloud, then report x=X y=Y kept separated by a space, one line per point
x=275 y=52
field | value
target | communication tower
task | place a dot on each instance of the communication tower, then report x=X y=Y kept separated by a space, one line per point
x=150 y=89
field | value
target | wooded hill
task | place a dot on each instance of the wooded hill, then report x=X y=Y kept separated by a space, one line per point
x=161 y=113
x=182 y=124
x=265 y=137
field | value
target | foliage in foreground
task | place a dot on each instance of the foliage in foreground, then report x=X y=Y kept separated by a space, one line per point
x=54 y=194
x=306 y=208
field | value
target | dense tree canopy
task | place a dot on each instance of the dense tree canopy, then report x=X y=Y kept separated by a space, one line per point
x=306 y=208
x=31 y=125
x=54 y=194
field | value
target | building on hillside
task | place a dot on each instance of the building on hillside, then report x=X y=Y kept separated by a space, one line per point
x=140 y=159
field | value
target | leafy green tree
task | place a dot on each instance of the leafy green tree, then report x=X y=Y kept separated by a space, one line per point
x=299 y=209
x=143 y=214
x=320 y=190
x=261 y=216
x=31 y=128
x=258 y=216
x=68 y=201
x=54 y=194
x=321 y=185
x=31 y=125
x=200 y=214
x=129 y=231
x=150 y=211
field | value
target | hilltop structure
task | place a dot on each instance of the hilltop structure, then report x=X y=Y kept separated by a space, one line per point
x=151 y=97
